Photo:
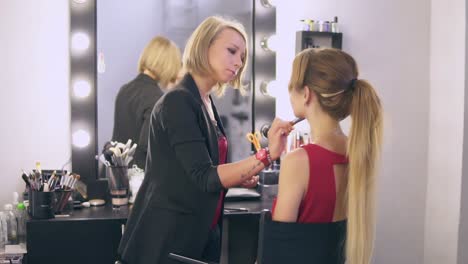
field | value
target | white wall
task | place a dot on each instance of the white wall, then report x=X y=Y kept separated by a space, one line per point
x=447 y=77
x=463 y=228
x=390 y=41
x=34 y=72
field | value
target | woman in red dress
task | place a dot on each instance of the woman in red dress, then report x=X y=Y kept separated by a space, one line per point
x=333 y=178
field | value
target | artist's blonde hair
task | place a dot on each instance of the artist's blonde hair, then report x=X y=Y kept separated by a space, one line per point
x=162 y=58
x=333 y=76
x=195 y=58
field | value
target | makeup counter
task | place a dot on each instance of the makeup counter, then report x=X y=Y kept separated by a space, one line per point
x=87 y=228
x=92 y=235
x=61 y=228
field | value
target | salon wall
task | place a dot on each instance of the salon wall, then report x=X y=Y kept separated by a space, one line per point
x=463 y=232
x=463 y=228
x=390 y=41
x=418 y=66
x=446 y=132
x=34 y=101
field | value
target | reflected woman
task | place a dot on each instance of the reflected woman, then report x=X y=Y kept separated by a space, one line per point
x=158 y=67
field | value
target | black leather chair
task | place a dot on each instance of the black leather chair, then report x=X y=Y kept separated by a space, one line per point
x=297 y=243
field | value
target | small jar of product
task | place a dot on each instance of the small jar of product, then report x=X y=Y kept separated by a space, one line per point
x=321 y=26
x=334 y=25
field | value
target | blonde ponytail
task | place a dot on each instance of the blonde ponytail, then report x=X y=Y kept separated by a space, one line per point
x=364 y=146
x=331 y=74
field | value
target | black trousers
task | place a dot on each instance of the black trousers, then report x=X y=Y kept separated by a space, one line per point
x=212 y=251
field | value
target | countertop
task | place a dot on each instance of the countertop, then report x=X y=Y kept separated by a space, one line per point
x=106 y=212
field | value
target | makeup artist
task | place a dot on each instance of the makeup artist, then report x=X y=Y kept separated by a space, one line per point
x=179 y=206
x=158 y=67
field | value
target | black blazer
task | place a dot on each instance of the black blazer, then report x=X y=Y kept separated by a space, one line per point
x=177 y=200
x=133 y=107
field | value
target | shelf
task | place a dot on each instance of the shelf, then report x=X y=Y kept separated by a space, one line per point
x=316 y=39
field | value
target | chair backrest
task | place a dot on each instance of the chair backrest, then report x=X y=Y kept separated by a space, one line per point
x=297 y=243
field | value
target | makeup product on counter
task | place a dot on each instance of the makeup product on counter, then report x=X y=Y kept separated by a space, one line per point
x=25 y=178
x=49 y=192
x=334 y=25
x=297 y=140
x=268 y=182
x=309 y=24
x=117 y=154
x=96 y=202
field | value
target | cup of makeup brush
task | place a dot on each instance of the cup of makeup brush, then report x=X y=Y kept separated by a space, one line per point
x=117 y=177
x=41 y=205
x=63 y=203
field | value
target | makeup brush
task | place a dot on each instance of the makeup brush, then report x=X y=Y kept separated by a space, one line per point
x=265 y=128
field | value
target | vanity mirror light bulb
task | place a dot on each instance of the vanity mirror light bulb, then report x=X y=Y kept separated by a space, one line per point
x=269 y=43
x=272 y=42
x=273 y=89
x=268 y=3
x=81 y=88
x=80 y=41
x=269 y=88
x=81 y=138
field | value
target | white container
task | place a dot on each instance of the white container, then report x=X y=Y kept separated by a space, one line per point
x=12 y=225
x=3 y=232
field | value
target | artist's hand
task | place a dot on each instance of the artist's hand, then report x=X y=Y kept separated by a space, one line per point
x=250 y=183
x=277 y=137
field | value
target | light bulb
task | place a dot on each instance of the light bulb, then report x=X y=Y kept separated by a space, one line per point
x=80 y=41
x=269 y=88
x=272 y=43
x=268 y=3
x=81 y=88
x=81 y=138
x=269 y=43
x=273 y=89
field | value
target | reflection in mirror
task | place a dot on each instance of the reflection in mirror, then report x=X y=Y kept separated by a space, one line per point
x=121 y=37
x=117 y=33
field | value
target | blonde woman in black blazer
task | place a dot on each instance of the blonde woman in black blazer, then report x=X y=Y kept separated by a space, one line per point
x=178 y=199
x=158 y=67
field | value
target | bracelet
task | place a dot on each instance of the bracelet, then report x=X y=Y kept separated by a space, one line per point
x=270 y=161
x=263 y=155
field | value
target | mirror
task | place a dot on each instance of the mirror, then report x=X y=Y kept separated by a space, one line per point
x=123 y=28
x=122 y=36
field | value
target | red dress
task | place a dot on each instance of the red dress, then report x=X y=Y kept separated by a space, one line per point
x=318 y=204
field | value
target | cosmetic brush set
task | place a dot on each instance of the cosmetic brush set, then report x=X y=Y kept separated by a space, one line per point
x=44 y=181
x=49 y=191
x=117 y=154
